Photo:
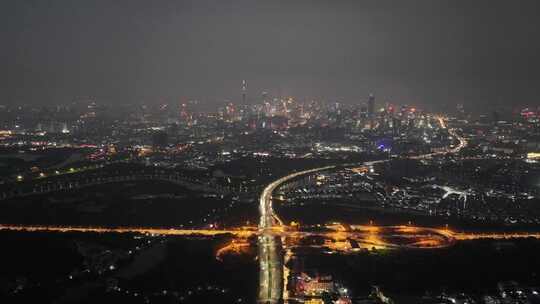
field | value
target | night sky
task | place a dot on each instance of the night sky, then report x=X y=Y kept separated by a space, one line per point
x=431 y=53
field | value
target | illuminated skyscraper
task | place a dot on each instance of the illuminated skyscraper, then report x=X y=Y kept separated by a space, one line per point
x=371 y=106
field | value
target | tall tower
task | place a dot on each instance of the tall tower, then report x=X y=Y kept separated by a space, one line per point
x=244 y=89
x=371 y=105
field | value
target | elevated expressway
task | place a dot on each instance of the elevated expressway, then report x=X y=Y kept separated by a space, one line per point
x=270 y=248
